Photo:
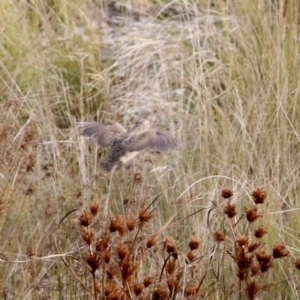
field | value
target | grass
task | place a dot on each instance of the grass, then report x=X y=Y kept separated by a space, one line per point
x=222 y=77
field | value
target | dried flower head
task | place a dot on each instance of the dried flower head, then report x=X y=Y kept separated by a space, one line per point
x=151 y=241
x=88 y=235
x=94 y=207
x=85 y=218
x=219 y=236
x=255 y=268
x=123 y=251
x=260 y=231
x=171 y=266
x=138 y=288
x=102 y=242
x=130 y=222
x=243 y=241
x=297 y=263
x=229 y=210
x=253 y=246
x=118 y=224
x=191 y=255
x=93 y=260
x=252 y=214
x=145 y=216
x=171 y=248
x=161 y=293
x=147 y=281
x=227 y=193
x=252 y=289
x=259 y=196
x=280 y=250
x=194 y=243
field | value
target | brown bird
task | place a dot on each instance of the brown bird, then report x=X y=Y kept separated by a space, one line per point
x=125 y=144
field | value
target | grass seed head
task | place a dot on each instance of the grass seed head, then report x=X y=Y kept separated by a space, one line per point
x=230 y=210
x=219 y=236
x=259 y=196
x=130 y=222
x=253 y=246
x=280 y=250
x=138 y=288
x=85 y=218
x=94 y=207
x=147 y=281
x=297 y=263
x=194 y=243
x=102 y=242
x=252 y=289
x=118 y=224
x=227 y=193
x=260 y=231
x=94 y=261
x=88 y=235
x=252 y=214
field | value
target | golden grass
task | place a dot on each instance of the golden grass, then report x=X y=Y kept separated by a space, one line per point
x=222 y=77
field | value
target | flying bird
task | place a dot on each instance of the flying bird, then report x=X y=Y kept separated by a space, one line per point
x=125 y=144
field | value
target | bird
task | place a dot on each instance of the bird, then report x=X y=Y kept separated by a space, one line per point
x=125 y=144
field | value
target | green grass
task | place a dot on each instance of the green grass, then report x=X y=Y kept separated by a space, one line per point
x=222 y=77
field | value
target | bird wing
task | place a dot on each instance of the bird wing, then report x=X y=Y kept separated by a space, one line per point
x=154 y=140
x=104 y=132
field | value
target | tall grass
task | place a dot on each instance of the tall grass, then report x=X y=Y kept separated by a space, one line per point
x=223 y=77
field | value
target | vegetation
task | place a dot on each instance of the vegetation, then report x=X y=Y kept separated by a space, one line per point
x=215 y=219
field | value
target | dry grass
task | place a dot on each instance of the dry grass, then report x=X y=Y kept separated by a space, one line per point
x=223 y=77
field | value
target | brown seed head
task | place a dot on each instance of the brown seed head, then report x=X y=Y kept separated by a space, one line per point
x=127 y=269
x=138 y=288
x=252 y=214
x=191 y=255
x=219 y=236
x=161 y=293
x=107 y=256
x=171 y=266
x=260 y=231
x=297 y=263
x=280 y=250
x=171 y=248
x=130 y=222
x=253 y=246
x=147 y=281
x=243 y=241
x=194 y=243
x=173 y=284
x=151 y=241
x=94 y=207
x=118 y=224
x=259 y=196
x=229 y=210
x=255 y=268
x=252 y=289
x=144 y=216
x=102 y=242
x=85 y=218
x=227 y=193
x=93 y=260
x=262 y=256
x=88 y=235
x=123 y=251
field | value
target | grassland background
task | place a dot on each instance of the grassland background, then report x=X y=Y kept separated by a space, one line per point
x=222 y=76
